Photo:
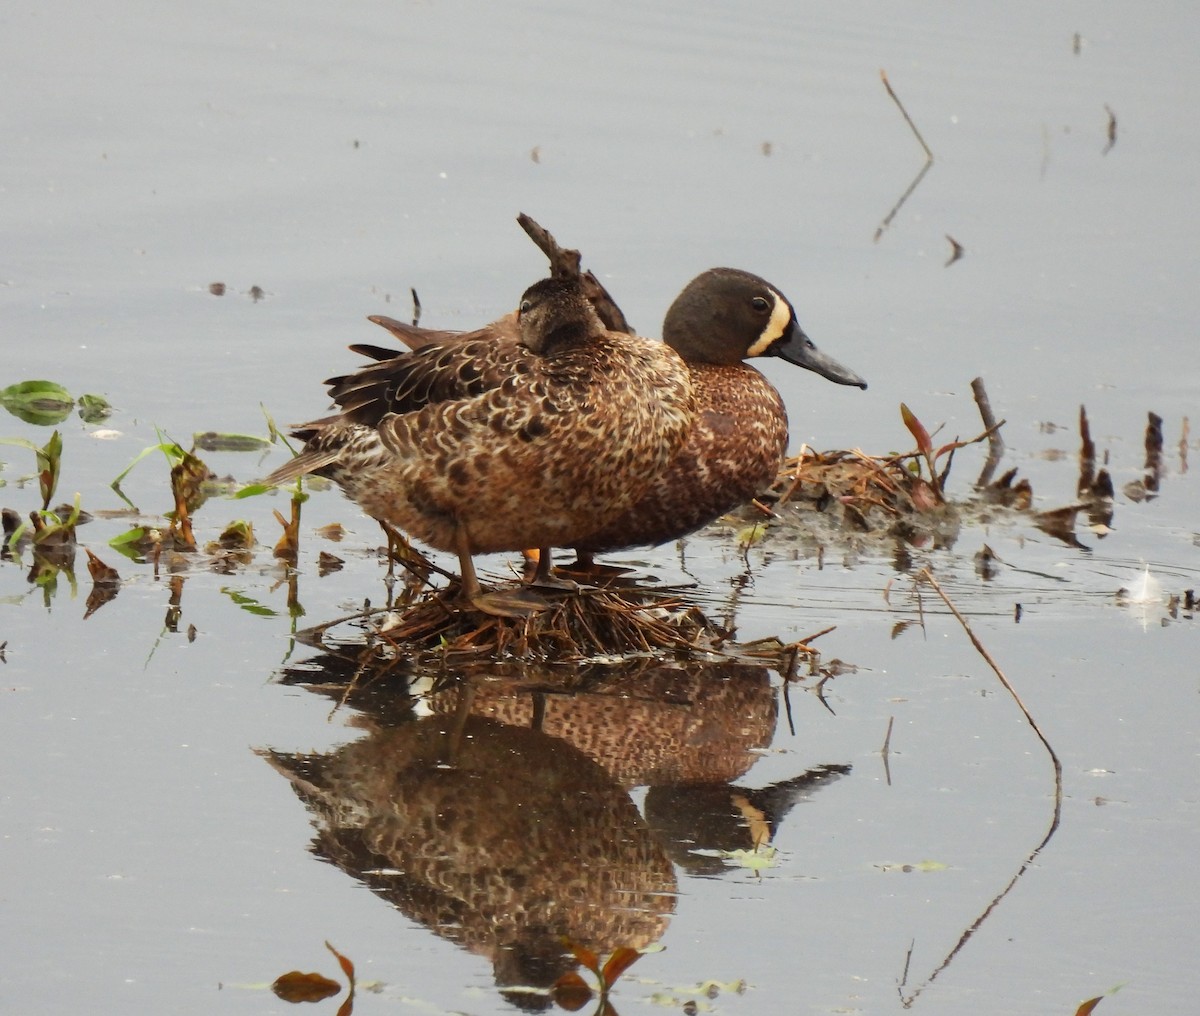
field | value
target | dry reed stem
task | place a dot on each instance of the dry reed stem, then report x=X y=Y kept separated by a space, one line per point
x=926 y=576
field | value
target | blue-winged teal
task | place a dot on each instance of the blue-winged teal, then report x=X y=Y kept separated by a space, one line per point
x=479 y=446
x=738 y=436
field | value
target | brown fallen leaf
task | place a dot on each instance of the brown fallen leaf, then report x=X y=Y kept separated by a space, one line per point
x=295 y=986
x=344 y=963
x=571 y=992
x=101 y=573
x=622 y=959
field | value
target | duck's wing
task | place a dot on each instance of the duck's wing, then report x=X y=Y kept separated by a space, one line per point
x=504 y=329
x=434 y=374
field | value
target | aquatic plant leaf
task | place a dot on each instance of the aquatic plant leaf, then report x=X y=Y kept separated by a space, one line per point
x=134 y=535
x=94 y=408
x=211 y=441
x=571 y=991
x=43 y=403
x=49 y=463
x=917 y=429
x=170 y=449
x=622 y=958
x=343 y=962
x=584 y=956
x=275 y=433
x=295 y=986
x=48 y=457
x=43 y=572
x=249 y=604
x=252 y=490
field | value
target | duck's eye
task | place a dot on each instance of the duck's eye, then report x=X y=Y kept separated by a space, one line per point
x=526 y=306
x=760 y=303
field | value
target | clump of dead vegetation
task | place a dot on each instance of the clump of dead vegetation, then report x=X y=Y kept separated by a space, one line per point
x=904 y=495
x=580 y=624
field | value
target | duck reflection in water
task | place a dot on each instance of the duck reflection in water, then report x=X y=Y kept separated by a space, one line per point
x=503 y=820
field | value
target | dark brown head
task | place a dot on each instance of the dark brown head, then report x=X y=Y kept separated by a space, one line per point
x=724 y=316
x=554 y=315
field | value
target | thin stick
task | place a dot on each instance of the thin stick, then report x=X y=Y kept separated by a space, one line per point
x=924 y=169
x=926 y=576
x=885 y=751
x=1112 y=129
x=995 y=441
x=907 y=1000
x=908 y=119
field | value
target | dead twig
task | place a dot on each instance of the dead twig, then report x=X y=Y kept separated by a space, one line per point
x=992 y=429
x=885 y=751
x=1111 y=131
x=924 y=169
x=926 y=576
x=908 y=119
x=907 y=1000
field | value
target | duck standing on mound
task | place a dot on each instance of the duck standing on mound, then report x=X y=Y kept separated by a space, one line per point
x=738 y=436
x=477 y=446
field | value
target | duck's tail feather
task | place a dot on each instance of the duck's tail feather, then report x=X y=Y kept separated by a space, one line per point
x=311 y=460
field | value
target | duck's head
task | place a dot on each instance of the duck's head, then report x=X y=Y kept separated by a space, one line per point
x=725 y=315
x=554 y=314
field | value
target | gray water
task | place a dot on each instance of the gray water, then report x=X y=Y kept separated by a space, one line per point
x=152 y=861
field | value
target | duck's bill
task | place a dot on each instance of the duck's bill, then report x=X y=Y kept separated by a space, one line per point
x=798 y=348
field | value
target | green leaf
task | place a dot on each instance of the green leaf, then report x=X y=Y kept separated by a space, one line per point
x=49 y=463
x=249 y=604
x=94 y=408
x=211 y=441
x=134 y=535
x=43 y=403
x=252 y=490
x=170 y=449
x=131 y=543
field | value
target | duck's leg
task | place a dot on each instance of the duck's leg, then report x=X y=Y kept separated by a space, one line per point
x=544 y=576
x=501 y=603
x=586 y=568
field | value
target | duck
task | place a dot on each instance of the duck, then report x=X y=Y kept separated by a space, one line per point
x=476 y=446
x=738 y=436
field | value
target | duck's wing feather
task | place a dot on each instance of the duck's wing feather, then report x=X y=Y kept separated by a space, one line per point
x=433 y=374
x=504 y=329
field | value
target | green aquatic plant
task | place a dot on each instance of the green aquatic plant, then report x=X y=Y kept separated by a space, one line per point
x=49 y=462
x=42 y=403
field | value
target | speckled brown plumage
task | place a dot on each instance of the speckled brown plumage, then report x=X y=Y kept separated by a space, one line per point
x=738 y=435
x=502 y=839
x=480 y=446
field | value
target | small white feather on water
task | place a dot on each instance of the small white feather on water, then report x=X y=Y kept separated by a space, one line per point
x=1144 y=589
